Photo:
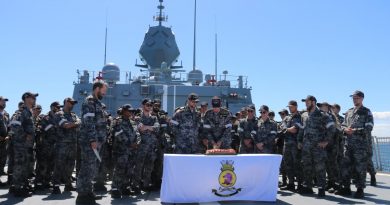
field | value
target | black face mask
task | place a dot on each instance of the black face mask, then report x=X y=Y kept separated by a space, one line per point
x=156 y=109
x=216 y=103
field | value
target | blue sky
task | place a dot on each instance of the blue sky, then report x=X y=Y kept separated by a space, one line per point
x=289 y=49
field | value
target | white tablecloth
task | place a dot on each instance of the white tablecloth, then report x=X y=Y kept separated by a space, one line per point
x=200 y=178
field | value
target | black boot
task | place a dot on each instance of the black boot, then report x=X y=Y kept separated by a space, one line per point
x=56 y=190
x=99 y=187
x=344 y=191
x=135 y=190
x=334 y=188
x=9 y=180
x=96 y=197
x=359 y=194
x=321 y=192
x=306 y=190
x=373 y=180
x=126 y=192
x=329 y=185
x=289 y=187
x=21 y=192
x=85 y=199
x=116 y=194
x=69 y=187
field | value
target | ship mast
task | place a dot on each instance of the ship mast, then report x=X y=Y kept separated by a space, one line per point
x=160 y=17
x=194 y=55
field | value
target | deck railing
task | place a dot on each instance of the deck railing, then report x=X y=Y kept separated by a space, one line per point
x=381 y=153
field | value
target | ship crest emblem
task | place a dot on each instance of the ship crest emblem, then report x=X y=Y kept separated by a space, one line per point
x=227 y=179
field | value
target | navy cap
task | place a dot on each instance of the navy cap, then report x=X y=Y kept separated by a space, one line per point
x=309 y=97
x=336 y=106
x=193 y=96
x=264 y=107
x=292 y=103
x=324 y=103
x=29 y=94
x=283 y=111
x=73 y=101
x=357 y=93
x=3 y=98
x=146 y=101
x=55 y=104
x=251 y=107
x=157 y=101
x=204 y=103
x=127 y=107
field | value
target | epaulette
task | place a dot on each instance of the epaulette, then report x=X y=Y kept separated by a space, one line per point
x=224 y=112
x=179 y=109
x=89 y=99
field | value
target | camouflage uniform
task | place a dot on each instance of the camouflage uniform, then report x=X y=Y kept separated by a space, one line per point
x=266 y=134
x=65 y=148
x=106 y=165
x=235 y=135
x=355 y=148
x=4 y=121
x=93 y=129
x=247 y=131
x=370 y=163
x=291 y=153
x=162 y=146
x=46 y=149
x=316 y=128
x=10 y=147
x=124 y=152
x=202 y=135
x=340 y=143
x=185 y=125
x=332 y=149
x=22 y=125
x=146 y=151
x=217 y=127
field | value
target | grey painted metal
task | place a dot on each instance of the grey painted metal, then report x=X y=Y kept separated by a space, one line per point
x=162 y=79
x=374 y=195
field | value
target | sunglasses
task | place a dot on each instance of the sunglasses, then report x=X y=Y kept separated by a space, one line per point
x=263 y=112
x=250 y=110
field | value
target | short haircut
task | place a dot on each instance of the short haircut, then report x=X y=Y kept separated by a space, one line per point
x=98 y=84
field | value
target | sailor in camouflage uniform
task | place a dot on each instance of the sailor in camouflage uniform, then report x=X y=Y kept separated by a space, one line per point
x=68 y=129
x=45 y=147
x=185 y=124
x=313 y=139
x=332 y=149
x=124 y=151
x=290 y=129
x=266 y=132
x=106 y=166
x=164 y=142
x=148 y=128
x=93 y=135
x=357 y=125
x=22 y=127
x=217 y=125
x=4 y=121
x=247 y=130
x=10 y=149
x=336 y=110
x=203 y=140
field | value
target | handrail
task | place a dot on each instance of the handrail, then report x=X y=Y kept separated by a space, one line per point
x=381 y=153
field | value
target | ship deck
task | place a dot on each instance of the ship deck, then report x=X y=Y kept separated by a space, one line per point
x=373 y=195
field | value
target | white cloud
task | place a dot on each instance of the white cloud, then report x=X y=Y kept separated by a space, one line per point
x=381 y=115
x=381 y=130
